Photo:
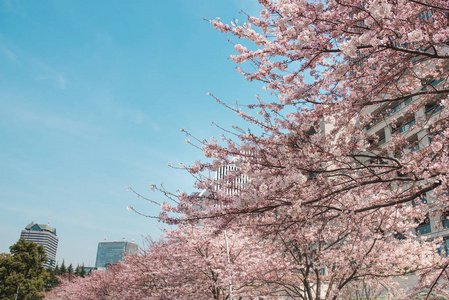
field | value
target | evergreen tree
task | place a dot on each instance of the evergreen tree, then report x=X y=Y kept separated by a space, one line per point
x=77 y=270
x=22 y=275
x=70 y=269
x=63 y=268
x=83 y=271
x=56 y=270
x=52 y=280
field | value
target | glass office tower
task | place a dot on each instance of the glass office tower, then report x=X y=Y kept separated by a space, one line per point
x=112 y=252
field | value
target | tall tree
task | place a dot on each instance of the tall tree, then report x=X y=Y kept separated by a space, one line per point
x=52 y=280
x=63 y=268
x=332 y=192
x=22 y=275
x=56 y=270
x=70 y=269
x=82 y=272
x=77 y=271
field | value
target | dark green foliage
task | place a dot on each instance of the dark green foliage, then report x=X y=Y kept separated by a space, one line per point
x=21 y=272
x=77 y=271
x=70 y=269
x=63 y=269
x=82 y=271
x=52 y=280
x=56 y=270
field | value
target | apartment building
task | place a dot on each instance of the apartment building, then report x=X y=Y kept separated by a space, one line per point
x=396 y=118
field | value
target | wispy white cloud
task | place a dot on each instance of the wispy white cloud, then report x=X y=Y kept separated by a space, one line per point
x=106 y=103
x=40 y=70
x=19 y=111
x=54 y=79
x=8 y=53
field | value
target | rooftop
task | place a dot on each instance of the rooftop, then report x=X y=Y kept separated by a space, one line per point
x=40 y=227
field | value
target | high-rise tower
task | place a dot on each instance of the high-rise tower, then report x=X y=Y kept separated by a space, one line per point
x=43 y=235
x=111 y=252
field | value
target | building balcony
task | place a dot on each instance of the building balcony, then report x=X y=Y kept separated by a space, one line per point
x=401 y=105
x=430 y=111
x=404 y=127
x=423 y=229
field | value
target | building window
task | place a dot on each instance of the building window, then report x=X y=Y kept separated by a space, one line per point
x=424 y=227
x=445 y=219
x=444 y=249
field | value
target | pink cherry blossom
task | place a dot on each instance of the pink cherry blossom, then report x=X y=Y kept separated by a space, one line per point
x=325 y=192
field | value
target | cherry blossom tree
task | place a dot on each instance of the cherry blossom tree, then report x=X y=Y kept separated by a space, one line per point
x=190 y=262
x=337 y=68
x=194 y=263
x=355 y=142
x=130 y=279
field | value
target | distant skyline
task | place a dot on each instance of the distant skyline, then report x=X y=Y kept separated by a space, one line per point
x=93 y=97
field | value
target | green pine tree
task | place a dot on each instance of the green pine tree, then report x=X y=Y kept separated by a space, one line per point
x=77 y=270
x=70 y=269
x=52 y=280
x=56 y=270
x=63 y=269
x=83 y=271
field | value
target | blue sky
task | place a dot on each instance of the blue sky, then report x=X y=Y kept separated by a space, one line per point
x=93 y=95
